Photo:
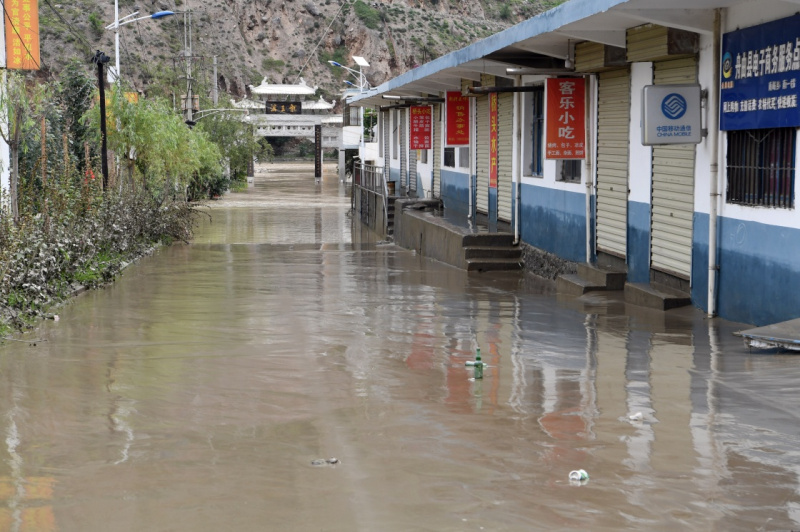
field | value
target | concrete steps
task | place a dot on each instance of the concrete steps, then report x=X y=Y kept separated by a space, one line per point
x=590 y=278
x=485 y=252
x=655 y=296
x=390 y=215
x=493 y=265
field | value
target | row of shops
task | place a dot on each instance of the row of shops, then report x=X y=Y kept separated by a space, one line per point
x=659 y=140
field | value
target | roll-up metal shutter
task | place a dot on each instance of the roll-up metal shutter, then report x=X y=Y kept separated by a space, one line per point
x=412 y=171
x=387 y=131
x=505 y=139
x=673 y=186
x=403 y=151
x=437 y=151
x=613 y=123
x=482 y=154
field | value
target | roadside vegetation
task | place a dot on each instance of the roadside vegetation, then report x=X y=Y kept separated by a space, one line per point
x=61 y=229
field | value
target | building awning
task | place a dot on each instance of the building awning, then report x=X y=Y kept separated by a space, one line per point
x=545 y=42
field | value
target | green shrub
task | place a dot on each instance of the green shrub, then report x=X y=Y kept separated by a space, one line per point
x=370 y=16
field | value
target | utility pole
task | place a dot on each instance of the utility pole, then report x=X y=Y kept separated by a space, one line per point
x=187 y=51
x=100 y=59
x=215 y=87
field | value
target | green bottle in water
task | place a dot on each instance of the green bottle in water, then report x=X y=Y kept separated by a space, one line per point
x=478 y=365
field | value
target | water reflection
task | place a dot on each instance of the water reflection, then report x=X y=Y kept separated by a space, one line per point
x=194 y=393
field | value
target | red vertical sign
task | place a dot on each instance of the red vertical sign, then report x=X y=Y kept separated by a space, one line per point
x=457 y=119
x=493 y=140
x=420 y=127
x=566 y=118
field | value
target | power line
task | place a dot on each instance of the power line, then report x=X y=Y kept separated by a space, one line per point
x=68 y=26
x=14 y=27
x=311 y=55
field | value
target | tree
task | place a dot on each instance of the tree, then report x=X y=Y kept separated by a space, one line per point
x=20 y=102
x=156 y=144
x=236 y=140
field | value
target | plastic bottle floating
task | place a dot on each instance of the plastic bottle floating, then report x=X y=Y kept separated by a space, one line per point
x=579 y=475
x=478 y=365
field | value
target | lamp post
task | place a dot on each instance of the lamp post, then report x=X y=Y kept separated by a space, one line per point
x=362 y=86
x=121 y=22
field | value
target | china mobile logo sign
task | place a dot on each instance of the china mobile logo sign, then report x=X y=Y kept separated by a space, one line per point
x=674 y=106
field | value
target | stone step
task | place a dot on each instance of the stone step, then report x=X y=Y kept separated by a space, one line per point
x=488 y=239
x=492 y=252
x=655 y=296
x=575 y=285
x=490 y=265
x=604 y=278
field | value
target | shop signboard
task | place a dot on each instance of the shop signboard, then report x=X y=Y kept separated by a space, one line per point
x=565 y=116
x=493 y=149
x=420 y=127
x=760 y=78
x=457 y=119
x=671 y=115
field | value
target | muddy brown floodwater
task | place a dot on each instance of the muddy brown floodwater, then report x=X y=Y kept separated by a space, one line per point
x=196 y=393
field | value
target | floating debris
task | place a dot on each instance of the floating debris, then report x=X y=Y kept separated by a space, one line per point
x=324 y=461
x=579 y=475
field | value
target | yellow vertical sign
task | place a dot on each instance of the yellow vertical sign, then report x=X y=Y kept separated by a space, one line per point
x=22 y=34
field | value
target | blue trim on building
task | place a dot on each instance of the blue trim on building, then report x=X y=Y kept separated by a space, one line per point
x=492 y=205
x=394 y=175
x=759 y=276
x=455 y=191
x=638 y=242
x=700 y=261
x=555 y=221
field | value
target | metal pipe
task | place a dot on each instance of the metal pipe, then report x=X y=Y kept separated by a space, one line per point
x=428 y=99
x=516 y=150
x=716 y=147
x=591 y=164
x=489 y=90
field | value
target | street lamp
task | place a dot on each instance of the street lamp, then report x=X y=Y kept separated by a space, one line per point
x=113 y=75
x=362 y=79
x=362 y=86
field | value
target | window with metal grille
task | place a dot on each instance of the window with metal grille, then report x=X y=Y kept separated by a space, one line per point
x=449 y=158
x=533 y=148
x=569 y=170
x=761 y=167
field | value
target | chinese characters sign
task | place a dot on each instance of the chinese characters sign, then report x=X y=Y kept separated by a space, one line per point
x=493 y=140
x=457 y=119
x=22 y=34
x=565 y=135
x=420 y=127
x=284 y=108
x=761 y=76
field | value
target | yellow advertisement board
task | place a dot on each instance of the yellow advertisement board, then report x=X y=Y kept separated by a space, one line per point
x=22 y=34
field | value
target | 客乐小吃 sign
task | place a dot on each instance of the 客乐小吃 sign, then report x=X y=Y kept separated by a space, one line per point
x=284 y=108
x=565 y=116
x=22 y=34
x=671 y=115
x=421 y=120
x=760 y=79
x=457 y=119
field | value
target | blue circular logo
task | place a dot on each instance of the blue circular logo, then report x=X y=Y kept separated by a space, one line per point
x=674 y=106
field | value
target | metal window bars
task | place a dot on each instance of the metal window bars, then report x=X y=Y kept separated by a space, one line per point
x=761 y=167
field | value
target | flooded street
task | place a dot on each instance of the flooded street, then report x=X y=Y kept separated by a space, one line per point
x=194 y=394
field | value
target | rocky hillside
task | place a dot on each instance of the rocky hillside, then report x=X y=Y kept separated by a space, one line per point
x=280 y=39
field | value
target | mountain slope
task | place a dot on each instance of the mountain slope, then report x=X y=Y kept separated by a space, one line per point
x=281 y=39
